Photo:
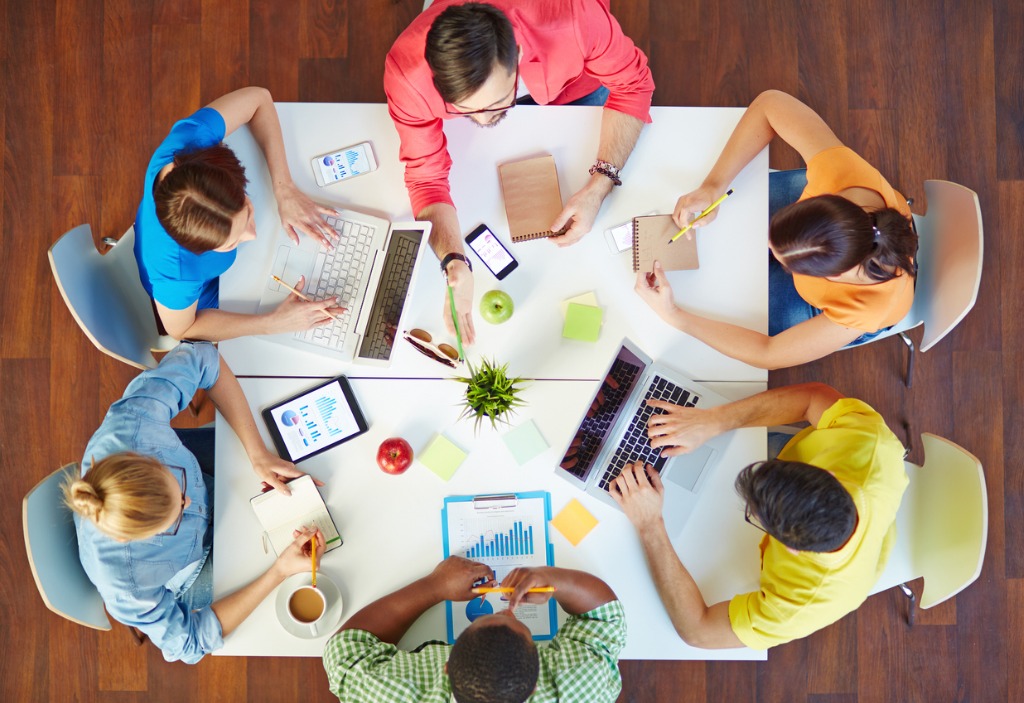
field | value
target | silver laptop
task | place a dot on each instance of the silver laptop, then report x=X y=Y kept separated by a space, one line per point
x=613 y=433
x=371 y=270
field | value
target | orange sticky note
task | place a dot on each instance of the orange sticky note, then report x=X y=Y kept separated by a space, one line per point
x=574 y=522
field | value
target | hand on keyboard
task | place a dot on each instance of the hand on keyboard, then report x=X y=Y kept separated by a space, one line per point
x=680 y=429
x=296 y=315
x=460 y=278
x=640 y=493
x=300 y=214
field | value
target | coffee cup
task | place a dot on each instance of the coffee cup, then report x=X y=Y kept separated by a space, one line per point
x=307 y=606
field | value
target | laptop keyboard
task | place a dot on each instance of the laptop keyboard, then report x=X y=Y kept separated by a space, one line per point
x=595 y=426
x=635 y=445
x=391 y=293
x=338 y=273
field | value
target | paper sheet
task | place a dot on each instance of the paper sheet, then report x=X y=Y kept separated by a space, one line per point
x=574 y=522
x=525 y=442
x=442 y=457
x=582 y=322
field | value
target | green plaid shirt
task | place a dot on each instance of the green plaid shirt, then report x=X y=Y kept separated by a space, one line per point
x=579 y=664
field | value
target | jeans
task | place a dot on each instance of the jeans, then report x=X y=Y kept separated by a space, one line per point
x=197 y=593
x=598 y=97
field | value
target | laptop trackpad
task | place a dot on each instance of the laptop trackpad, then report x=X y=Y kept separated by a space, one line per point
x=685 y=471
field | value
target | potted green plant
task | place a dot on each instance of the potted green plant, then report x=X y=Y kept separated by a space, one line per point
x=490 y=393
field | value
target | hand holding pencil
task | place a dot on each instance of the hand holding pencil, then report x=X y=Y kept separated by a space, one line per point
x=698 y=208
x=298 y=313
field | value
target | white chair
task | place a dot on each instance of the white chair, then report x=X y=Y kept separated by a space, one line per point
x=106 y=297
x=52 y=546
x=941 y=526
x=949 y=256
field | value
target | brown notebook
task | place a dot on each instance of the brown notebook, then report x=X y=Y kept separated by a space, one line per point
x=532 y=198
x=651 y=235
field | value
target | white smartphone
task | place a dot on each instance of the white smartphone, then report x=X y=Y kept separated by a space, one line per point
x=491 y=251
x=342 y=164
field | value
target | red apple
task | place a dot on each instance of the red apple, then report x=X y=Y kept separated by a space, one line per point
x=394 y=456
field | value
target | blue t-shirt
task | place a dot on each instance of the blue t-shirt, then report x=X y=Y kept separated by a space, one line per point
x=171 y=274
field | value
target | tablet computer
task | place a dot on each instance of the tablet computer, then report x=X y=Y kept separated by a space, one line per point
x=315 y=420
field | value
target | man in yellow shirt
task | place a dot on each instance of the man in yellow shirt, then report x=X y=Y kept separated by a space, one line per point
x=827 y=506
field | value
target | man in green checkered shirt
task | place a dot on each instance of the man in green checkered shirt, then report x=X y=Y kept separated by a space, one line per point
x=494 y=660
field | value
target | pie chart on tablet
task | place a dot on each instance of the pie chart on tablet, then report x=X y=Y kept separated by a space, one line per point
x=289 y=417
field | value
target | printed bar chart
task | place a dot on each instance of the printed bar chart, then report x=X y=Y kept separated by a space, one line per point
x=518 y=541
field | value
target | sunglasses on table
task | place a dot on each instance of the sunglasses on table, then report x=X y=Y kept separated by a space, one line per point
x=423 y=343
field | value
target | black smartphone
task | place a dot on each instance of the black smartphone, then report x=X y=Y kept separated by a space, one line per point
x=492 y=252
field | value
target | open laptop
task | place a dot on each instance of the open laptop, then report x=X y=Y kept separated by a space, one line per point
x=613 y=433
x=371 y=270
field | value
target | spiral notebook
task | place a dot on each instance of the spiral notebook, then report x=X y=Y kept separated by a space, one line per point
x=279 y=515
x=651 y=235
x=532 y=198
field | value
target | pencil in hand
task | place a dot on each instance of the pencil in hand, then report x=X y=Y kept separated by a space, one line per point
x=299 y=294
x=312 y=553
x=482 y=590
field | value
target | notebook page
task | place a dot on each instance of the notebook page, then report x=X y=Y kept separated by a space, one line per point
x=280 y=515
x=651 y=236
x=532 y=198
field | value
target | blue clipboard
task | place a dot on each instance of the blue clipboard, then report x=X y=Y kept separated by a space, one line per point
x=500 y=500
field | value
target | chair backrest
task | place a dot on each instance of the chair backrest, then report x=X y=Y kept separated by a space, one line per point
x=942 y=524
x=52 y=546
x=106 y=297
x=950 y=249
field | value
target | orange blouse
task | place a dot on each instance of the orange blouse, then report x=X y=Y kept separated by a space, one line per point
x=871 y=307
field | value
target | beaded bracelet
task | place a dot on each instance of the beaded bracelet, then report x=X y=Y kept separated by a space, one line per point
x=611 y=171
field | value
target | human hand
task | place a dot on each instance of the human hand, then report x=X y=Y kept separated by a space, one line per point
x=274 y=471
x=296 y=556
x=690 y=206
x=460 y=278
x=680 y=429
x=640 y=493
x=294 y=314
x=655 y=290
x=455 y=577
x=523 y=579
x=300 y=214
x=580 y=212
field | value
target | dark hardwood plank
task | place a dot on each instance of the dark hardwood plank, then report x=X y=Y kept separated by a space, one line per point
x=274 y=31
x=78 y=98
x=177 y=11
x=225 y=47
x=873 y=65
x=224 y=679
x=1008 y=30
x=175 y=77
x=832 y=664
x=323 y=29
x=1013 y=627
x=720 y=54
x=823 y=61
x=783 y=678
x=662 y=681
x=730 y=681
x=1011 y=209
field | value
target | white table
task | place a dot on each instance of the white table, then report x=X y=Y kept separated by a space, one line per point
x=672 y=157
x=392 y=527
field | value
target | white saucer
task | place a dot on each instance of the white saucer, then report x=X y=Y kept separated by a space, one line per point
x=332 y=618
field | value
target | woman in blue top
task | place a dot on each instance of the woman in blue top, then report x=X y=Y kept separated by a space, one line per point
x=194 y=213
x=143 y=507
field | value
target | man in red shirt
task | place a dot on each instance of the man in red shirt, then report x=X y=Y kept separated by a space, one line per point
x=477 y=60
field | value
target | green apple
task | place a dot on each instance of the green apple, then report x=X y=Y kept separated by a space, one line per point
x=496 y=306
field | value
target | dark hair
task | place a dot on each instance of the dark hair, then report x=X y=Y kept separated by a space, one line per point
x=463 y=46
x=197 y=199
x=802 y=506
x=828 y=234
x=493 y=664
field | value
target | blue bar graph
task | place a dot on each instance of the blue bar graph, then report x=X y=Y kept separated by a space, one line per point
x=518 y=541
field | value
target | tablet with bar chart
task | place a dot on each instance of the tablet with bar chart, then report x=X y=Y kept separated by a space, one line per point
x=315 y=420
x=504 y=531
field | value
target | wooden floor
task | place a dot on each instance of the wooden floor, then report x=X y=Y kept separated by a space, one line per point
x=922 y=88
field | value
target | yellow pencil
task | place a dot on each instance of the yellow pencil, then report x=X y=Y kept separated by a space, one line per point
x=308 y=300
x=708 y=209
x=312 y=552
x=481 y=590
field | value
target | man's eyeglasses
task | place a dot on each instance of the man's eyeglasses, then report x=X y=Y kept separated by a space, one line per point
x=179 y=472
x=423 y=343
x=752 y=519
x=515 y=89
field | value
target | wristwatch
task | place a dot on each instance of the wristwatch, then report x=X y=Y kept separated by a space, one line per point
x=454 y=257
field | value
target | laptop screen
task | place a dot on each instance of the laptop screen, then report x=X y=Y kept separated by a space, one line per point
x=602 y=412
x=395 y=277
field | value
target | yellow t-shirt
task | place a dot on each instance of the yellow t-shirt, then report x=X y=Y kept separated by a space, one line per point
x=867 y=308
x=803 y=592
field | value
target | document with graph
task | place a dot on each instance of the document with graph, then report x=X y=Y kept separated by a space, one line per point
x=504 y=531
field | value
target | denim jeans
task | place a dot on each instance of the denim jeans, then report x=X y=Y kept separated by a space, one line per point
x=598 y=97
x=197 y=592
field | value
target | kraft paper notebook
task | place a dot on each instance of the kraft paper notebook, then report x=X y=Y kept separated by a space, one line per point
x=651 y=235
x=532 y=198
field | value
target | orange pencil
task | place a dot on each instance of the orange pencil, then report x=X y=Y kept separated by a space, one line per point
x=480 y=590
x=312 y=553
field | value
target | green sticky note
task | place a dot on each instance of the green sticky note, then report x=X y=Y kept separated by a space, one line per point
x=582 y=322
x=525 y=442
x=442 y=457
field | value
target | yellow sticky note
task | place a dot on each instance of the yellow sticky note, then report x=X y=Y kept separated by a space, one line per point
x=442 y=457
x=574 y=522
x=584 y=299
x=582 y=322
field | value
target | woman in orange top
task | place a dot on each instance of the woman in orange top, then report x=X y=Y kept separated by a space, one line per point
x=842 y=264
